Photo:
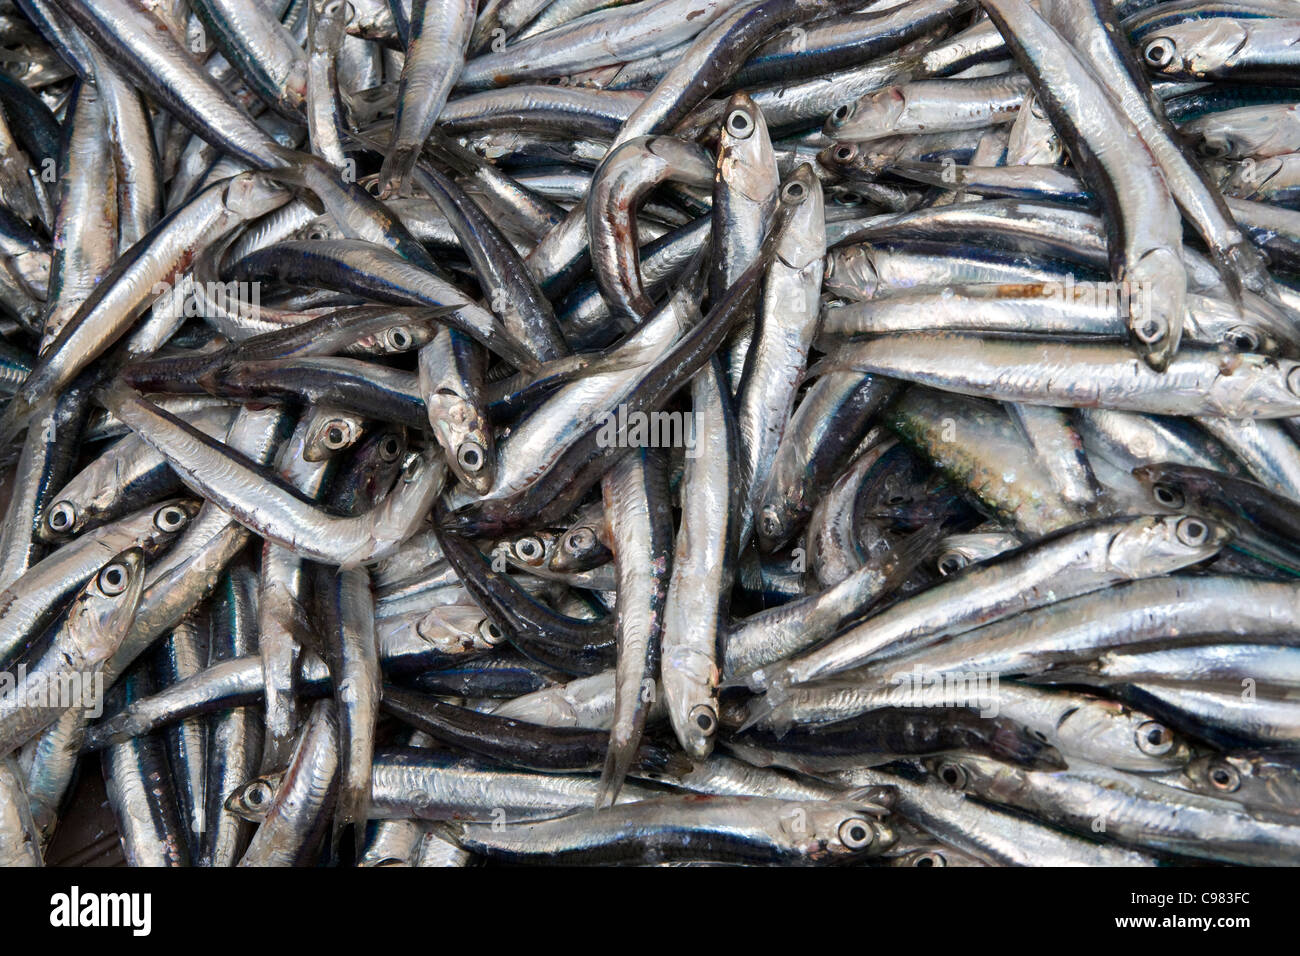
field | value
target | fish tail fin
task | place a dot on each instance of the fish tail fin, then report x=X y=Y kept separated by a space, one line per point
x=618 y=761
x=395 y=175
x=611 y=779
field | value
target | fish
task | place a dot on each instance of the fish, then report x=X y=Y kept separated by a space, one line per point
x=650 y=432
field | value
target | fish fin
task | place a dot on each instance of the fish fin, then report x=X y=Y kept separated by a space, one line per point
x=292 y=174
x=451 y=153
x=773 y=711
x=294 y=618
x=757 y=681
x=618 y=761
x=395 y=175
x=453 y=833
x=111 y=730
x=931 y=174
x=877 y=798
x=678 y=764
x=11 y=426
x=611 y=778
x=293 y=163
x=824 y=366
x=909 y=553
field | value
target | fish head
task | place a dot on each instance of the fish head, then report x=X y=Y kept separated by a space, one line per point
x=1259 y=779
x=982 y=776
x=803 y=240
x=869 y=117
x=328 y=25
x=694 y=711
x=579 y=549
x=841 y=159
x=746 y=160
x=320 y=229
x=253 y=800
x=376 y=463
x=102 y=612
x=1195 y=48
x=464 y=431
x=1155 y=289
x=329 y=433
x=1131 y=739
x=1176 y=487
x=1253 y=327
x=851 y=273
x=536 y=549
x=397 y=338
x=1255 y=386
x=1157 y=544
x=774 y=524
x=459 y=629
x=837 y=830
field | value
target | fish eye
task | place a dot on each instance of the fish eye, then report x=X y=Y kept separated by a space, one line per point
x=794 y=192
x=1151 y=330
x=1214 y=148
x=951 y=563
x=1293 y=380
x=113 y=579
x=1243 y=340
x=530 y=549
x=399 y=339
x=258 y=795
x=1169 y=496
x=390 y=448
x=929 y=858
x=169 y=519
x=856 y=833
x=339 y=6
x=470 y=456
x=337 y=434
x=771 y=522
x=842 y=113
x=1160 y=52
x=739 y=124
x=705 y=718
x=1224 y=777
x=490 y=632
x=1154 y=739
x=953 y=774
x=845 y=152
x=847 y=197
x=580 y=540
x=62 y=517
x=1192 y=532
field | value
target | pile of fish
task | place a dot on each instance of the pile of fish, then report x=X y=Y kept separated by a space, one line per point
x=795 y=432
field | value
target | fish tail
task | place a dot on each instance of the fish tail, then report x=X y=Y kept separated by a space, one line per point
x=395 y=175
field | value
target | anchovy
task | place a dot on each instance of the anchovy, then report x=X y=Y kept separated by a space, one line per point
x=660 y=432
